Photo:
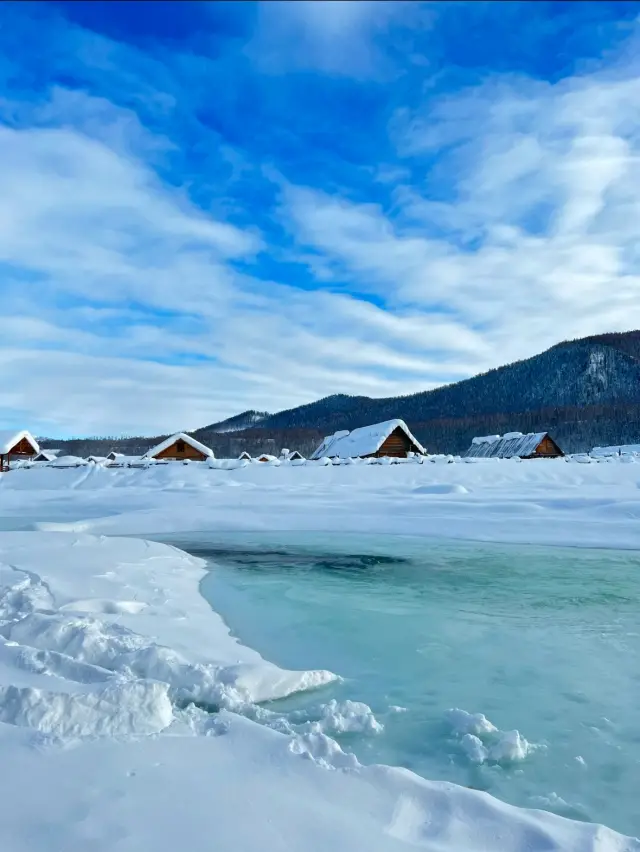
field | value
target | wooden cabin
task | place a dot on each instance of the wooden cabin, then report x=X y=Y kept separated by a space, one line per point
x=17 y=446
x=535 y=445
x=179 y=447
x=244 y=456
x=290 y=455
x=392 y=438
x=265 y=457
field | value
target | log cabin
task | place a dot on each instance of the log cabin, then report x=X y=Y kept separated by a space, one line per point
x=392 y=438
x=535 y=445
x=179 y=447
x=18 y=446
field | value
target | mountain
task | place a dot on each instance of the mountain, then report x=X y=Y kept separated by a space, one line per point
x=575 y=373
x=246 y=420
x=585 y=392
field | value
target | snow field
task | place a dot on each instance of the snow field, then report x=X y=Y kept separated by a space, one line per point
x=540 y=501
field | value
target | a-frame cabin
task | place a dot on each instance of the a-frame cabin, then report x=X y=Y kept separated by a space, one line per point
x=18 y=446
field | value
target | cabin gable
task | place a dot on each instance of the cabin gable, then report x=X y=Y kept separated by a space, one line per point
x=18 y=445
x=181 y=450
x=22 y=448
x=397 y=445
x=547 y=448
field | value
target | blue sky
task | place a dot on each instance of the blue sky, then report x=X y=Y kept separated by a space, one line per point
x=208 y=207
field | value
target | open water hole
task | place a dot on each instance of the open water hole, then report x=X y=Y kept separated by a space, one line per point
x=542 y=640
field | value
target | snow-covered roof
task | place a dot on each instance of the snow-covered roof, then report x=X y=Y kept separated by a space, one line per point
x=68 y=461
x=121 y=460
x=511 y=445
x=486 y=439
x=266 y=457
x=10 y=437
x=180 y=436
x=47 y=455
x=362 y=442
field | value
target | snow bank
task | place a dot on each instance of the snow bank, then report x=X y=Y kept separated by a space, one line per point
x=617 y=450
x=120 y=709
x=547 y=501
x=169 y=792
x=36 y=614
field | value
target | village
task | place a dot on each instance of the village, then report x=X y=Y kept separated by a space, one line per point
x=390 y=442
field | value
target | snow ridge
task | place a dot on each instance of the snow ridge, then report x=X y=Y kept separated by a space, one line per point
x=105 y=679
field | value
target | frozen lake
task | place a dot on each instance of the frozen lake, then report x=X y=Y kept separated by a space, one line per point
x=542 y=640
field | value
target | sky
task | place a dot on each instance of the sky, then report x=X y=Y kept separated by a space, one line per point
x=212 y=207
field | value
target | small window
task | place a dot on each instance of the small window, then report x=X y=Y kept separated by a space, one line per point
x=180 y=446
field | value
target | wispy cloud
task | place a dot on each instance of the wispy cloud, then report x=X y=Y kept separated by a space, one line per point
x=535 y=238
x=341 y=37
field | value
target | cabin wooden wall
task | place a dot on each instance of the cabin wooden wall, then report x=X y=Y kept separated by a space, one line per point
x=396 y=445
x=189 y=453
x=547 y=448
x=22 y=448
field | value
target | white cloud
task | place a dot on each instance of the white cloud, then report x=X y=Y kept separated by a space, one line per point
x=108 y=276
x=537 y=240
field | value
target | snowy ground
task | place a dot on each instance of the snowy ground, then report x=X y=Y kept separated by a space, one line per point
x=105 y=645
x=542 y=501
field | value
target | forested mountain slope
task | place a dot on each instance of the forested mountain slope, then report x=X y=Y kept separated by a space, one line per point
x=573 y=374
x=586 y=392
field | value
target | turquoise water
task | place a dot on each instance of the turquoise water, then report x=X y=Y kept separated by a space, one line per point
x=545 y=641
